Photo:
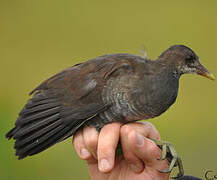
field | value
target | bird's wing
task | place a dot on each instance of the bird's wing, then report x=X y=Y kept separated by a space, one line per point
x=62 y=104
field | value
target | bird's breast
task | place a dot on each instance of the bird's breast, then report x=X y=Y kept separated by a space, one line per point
x=136 y=98
x=157 y=95
x=120 y=93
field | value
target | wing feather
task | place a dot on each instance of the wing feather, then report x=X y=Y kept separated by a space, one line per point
x=63 y=104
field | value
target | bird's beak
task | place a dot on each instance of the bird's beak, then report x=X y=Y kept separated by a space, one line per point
x=201 y=70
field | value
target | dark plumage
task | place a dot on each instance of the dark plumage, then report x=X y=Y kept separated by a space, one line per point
x=117 y=87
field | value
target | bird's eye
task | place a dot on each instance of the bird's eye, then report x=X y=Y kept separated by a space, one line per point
x=189 y=59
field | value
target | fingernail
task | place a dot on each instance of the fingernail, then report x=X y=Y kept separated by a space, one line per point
x=104 y=165
x=85 y=153
x=135 y=168
x=140 y=139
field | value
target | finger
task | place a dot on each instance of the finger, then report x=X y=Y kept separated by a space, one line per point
x=90 y=136
x=147 y=129
x=134 y=162
x=147 y=151
x=80 y=148
x=107 y=143
x=128 y=143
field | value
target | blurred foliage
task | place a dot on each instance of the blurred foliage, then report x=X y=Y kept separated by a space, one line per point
x=40 y=38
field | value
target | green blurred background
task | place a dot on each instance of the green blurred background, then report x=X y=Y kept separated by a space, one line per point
x=40 y=38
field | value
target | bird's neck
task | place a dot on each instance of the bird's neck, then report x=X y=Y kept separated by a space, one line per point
x=170 y=66
x=161 y=90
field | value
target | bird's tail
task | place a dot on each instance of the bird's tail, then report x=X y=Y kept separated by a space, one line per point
x=39 y=126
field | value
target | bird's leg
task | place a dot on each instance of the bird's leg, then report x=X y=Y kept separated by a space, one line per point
x=169 y=153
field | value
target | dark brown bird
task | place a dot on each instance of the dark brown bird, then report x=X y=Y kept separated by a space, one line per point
x=109 y=88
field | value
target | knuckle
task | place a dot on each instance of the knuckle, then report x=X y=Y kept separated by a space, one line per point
x=152 y=129
x=77 y=148
x=132 y=138
x=149 y=126
x=77 y=141
x=126 y=129
x=91 y=142
x=74 y=140
x=76 y=137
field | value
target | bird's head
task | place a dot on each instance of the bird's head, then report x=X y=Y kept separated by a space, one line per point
x=185 y=61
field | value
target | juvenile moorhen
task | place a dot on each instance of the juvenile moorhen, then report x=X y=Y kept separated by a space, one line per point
x=109 y=88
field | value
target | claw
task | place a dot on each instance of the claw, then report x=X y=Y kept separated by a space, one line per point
x=169 y=153
x=181 y=170
x=165 y=170
x=178 y=176
x=171 y=166
x=164 y=152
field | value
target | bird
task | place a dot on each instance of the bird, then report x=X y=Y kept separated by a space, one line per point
x=110 y=88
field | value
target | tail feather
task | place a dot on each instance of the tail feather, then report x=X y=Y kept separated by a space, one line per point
x=40 y=97
x=36 y=125
x=32 y=103
x=35 y=135
x=51 y=141
x=38 y=108
x=35 y=116
x=23 y=151
x=11 y=133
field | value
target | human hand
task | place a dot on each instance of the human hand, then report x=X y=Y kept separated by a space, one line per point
x=139 y=158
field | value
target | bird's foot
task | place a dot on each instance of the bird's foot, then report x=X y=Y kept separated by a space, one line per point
x=169 y=153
